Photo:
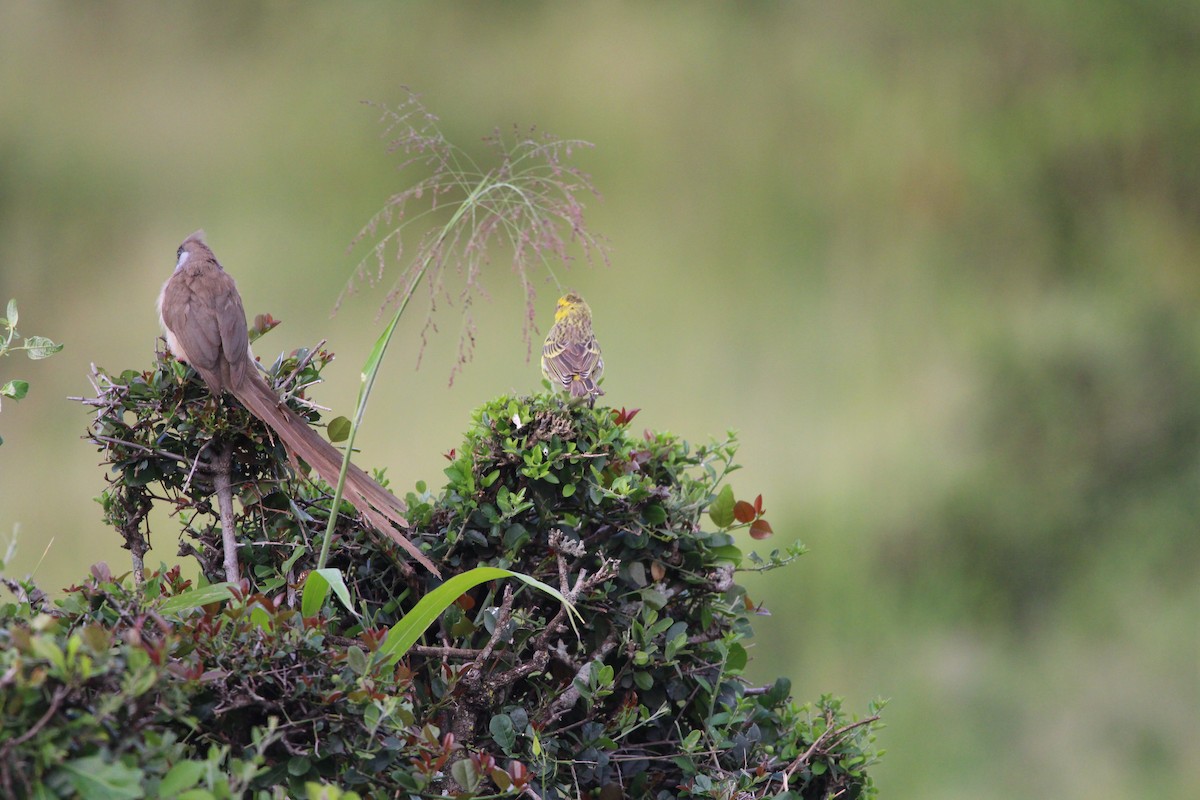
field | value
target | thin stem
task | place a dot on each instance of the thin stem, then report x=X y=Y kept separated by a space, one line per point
x=371 y=370
x=223 y=484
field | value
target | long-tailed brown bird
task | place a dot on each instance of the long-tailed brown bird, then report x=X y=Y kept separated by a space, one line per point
x=205 y=325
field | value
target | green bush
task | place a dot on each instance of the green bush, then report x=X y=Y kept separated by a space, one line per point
x=115 y=690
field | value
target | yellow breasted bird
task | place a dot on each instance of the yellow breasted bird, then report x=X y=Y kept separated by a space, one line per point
x=571 y=358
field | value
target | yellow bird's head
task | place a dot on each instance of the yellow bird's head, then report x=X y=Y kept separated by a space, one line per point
x=571 y=305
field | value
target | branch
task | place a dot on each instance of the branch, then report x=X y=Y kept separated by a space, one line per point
x=831 y=733
x=35 y=597
x=222 y=483
x=55 y=703
x=151 y=450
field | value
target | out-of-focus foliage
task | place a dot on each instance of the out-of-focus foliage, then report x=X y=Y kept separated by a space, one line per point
x=1093 y=457
x=36 y=347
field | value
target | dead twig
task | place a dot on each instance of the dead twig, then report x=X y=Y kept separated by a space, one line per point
x=828 y=736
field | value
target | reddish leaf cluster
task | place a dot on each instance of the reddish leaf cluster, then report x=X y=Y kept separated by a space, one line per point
x=262 y=324
x=623 y=417
x=752 y=513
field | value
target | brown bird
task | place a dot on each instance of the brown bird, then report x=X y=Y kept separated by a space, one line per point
x=205 y=325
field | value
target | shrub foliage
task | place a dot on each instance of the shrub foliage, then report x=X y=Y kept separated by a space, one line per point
x=129 y=689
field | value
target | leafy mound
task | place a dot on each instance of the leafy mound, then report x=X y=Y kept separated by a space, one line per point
x=120 y=691
x=646 y=698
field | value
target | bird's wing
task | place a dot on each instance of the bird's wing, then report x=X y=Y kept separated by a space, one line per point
x=231 y=326
x=190 y=318
x=567 y=359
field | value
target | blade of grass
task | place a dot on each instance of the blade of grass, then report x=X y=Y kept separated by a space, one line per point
x=405 y=633
x=371 y=368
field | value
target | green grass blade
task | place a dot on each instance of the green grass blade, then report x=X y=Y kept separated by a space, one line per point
x=404 y=634
x=316 y=589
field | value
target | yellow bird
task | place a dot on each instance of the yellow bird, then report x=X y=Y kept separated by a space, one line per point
x=571 y=358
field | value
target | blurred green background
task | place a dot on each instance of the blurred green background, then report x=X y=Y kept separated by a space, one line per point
x=936 y=261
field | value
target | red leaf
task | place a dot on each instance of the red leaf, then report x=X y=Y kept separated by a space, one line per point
x=624 y=417
x=758 y=509
x=743 y=512
x=264 y=323
x=760 y=529
x=519 y=774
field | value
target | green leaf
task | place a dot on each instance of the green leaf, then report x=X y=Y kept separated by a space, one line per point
x=356 y=657
x=778 y=692
x=503 y=732
x=194 y=598
x=404 y=634
x=261 y=618
x=45 y=648
x=197 y=794
x=181 y=777
x=316 y=589
x=338 y=429
x=15 y=389
x=38 y=347
x=373 y=360
x=11 y=322
x=97 y=780
x=465 y=774
x=297 y=552
x=736 y=661
x=721 y=510
x=654 y=598
x=334 y=576
x=677 y=643
x=728 y=553
x=654 y=515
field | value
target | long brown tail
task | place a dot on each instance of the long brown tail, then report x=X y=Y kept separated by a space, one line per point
x=381 y=508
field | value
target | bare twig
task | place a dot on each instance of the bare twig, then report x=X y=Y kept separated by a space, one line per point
x=35 y=597
x=222 y=483
x=829 y=735
x=288 y=385
x=445 y=652
x=6 y=760
x=148 y=450
x=55 y=703
x=570 y=696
